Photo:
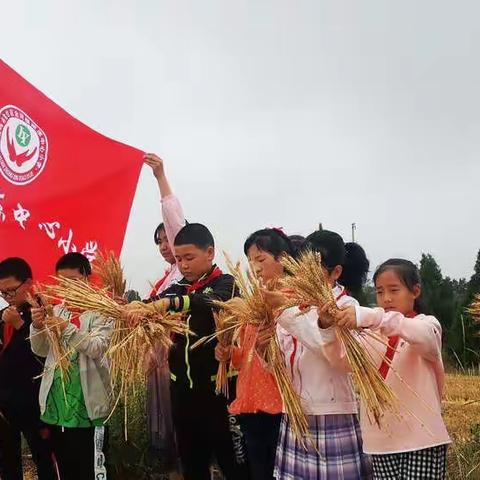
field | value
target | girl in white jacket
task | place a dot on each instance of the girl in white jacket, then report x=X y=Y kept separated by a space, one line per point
x=326 y=391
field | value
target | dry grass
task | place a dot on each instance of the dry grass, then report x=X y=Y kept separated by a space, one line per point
x=108 y=268
x=474 y=309
x=462 y=415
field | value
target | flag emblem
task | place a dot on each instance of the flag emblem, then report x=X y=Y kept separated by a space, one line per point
x=23 y=146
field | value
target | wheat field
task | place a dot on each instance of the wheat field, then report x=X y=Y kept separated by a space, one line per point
x=462 y=415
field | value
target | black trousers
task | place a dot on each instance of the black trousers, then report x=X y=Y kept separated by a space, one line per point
x=80 y=452
x=13 y=423
x=261 y=432
x=205 y=431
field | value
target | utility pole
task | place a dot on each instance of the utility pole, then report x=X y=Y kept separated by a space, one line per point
x=354 y=228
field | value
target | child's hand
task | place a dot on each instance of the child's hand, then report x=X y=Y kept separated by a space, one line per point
x=38 y=317
x=223 y=353
x=325 y=318
x=162 y=305
x=156 y=164
x=56 y=323
x=12 y=317
x=274 y=299
x=347 y=318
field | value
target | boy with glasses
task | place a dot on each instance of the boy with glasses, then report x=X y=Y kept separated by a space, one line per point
x=19 y=377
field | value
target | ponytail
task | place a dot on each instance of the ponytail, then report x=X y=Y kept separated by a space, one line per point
x=355 y=269
x=350 y=256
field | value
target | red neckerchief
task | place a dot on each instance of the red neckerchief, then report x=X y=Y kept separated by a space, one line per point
x=391 y=350
x=205 y=280
x=159 y=284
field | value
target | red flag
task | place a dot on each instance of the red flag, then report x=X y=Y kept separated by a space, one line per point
x=63 y=186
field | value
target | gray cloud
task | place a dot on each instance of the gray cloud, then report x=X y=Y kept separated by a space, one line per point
x=278 y=113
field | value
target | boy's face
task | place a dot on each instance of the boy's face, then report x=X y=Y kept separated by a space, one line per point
x=70 y=274
x=14 y=291
x=194 y=262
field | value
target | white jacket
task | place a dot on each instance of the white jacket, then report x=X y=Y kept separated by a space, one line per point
x=314 y=360
x=91 y=342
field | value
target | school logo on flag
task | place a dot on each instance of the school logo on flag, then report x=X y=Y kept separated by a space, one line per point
x=23 y=146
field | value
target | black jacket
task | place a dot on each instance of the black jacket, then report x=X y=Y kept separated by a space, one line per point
x=197 y=368
x=20 y=369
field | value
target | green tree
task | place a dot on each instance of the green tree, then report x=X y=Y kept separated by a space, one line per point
x=470 y=328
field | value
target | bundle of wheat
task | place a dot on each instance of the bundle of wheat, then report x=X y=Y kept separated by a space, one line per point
x=108 y=268
x=307 y=286
x=251 y=308
x=137 y=328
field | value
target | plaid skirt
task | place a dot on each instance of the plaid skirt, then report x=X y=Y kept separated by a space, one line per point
x=338 y=453
x=426 y=464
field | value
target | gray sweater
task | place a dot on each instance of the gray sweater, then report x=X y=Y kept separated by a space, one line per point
x=91 y=342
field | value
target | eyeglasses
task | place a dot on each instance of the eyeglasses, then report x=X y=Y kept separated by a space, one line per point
x=10 y=293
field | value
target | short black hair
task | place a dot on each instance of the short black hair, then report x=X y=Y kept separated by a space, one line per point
x=350 y=256
x=270 y=240
x=75 y=261
x=297 y=241
x=330 y=245
x=158 y=230
x=17 y=268
x=156 y=234
x=195 y=234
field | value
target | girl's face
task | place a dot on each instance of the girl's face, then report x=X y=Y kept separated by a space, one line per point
x=333 y=275
x=264 y=264
x=394 y=295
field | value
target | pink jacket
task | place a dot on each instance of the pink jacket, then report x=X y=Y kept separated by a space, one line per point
x=418 y=362
x=314 y=360
x=174 y=221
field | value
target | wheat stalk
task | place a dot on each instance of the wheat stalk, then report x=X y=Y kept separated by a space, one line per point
x=134 y=333
x=474 y=308
x=308 y=287
x=110 y=271
x=251 y=308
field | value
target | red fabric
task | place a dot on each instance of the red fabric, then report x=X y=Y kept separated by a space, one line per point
x=159 y=284
x=391 y=350
x=215 y=273
x=71 y=187
x=257 y=389
x=292 y=355
x=8 y=331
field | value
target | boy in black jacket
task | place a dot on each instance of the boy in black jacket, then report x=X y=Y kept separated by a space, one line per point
x=200 y=416
x=20 y=370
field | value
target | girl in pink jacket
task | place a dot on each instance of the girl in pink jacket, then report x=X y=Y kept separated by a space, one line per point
x=413 y=446
x=312 y=356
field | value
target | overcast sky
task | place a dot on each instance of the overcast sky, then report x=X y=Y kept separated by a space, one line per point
x=277 y=113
